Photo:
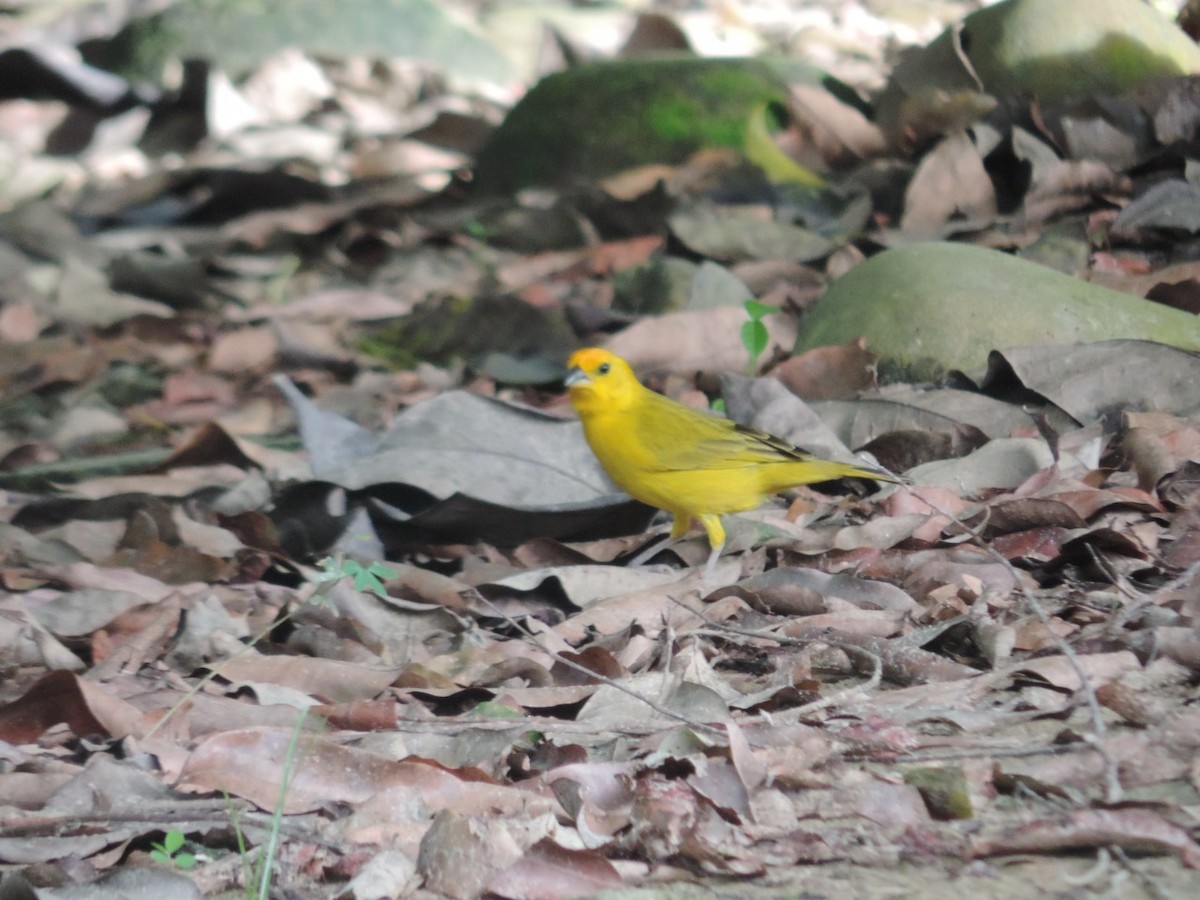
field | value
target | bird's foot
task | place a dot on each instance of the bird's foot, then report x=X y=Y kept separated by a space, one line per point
x=650 y=551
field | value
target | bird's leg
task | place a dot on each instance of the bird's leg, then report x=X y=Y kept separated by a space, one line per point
x=651 y=550
x=679 y=529
x=716 y=539
x=711 y=565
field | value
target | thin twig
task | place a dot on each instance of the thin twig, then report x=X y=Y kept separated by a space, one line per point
x=1153 y=886
x=215 y=672
x=532 y=639
x=983 y=752
x=1120 y=615
x=961 y=52
x=153 y=818
x=846 y=694
x=525 y=723
x=1102 y=869
x=1113 y=791
x=859 y=691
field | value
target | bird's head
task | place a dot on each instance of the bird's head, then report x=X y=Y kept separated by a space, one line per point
x=600 y=381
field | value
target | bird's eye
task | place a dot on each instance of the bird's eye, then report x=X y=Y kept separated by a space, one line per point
x=603 y=368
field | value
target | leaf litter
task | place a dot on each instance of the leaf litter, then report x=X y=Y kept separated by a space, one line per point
x=989 y=671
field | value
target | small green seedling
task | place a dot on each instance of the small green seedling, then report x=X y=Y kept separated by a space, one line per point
x=754 y=332
x=365 y=578
x=168 y=852
x=490 y=709
x=474 y=228
x=754 y=338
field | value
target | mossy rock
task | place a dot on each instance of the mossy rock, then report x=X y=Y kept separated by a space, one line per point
x=1053 y=50
x=600 y=118
x=946 y=791
x=929 y=308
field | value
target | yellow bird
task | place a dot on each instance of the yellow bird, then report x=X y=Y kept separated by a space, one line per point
x=689 y=463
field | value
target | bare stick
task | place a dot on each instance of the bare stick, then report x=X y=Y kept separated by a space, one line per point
x=532 y=639
x=1113 y=791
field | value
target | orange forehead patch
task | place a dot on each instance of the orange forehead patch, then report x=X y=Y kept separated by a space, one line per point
x=588 y=358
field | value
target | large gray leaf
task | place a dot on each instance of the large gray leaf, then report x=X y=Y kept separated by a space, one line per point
x=459 y=442
x=1089 y=380
x=859 y=421
x=1172 y=204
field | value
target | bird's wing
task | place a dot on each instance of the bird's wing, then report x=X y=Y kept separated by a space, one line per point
x=681 y=439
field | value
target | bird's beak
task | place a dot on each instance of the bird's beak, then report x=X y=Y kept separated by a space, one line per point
x=576 y=376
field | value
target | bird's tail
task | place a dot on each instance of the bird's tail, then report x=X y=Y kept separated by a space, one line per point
x=813 y=470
